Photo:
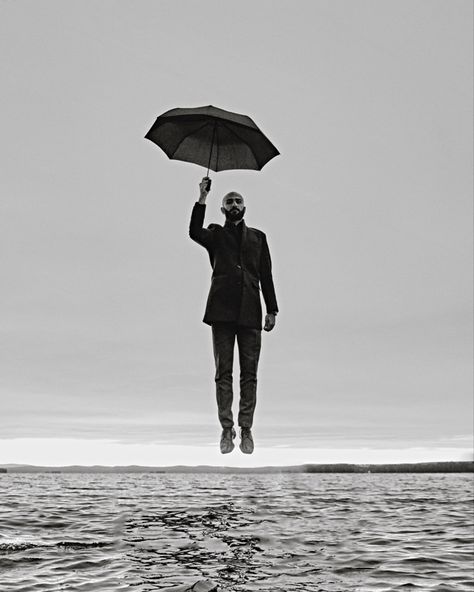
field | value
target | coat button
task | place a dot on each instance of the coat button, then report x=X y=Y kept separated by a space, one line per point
x=239 y=267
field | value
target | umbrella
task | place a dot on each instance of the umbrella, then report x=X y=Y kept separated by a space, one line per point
x=214 y=138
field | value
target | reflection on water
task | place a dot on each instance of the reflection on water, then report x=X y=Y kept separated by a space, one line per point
x=272 y=533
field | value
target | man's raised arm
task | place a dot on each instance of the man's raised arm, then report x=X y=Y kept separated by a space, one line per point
x=201 y=235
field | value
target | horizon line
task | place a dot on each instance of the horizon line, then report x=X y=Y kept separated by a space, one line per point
x=429 y=466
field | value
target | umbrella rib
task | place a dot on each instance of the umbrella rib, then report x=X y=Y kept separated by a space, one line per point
x=244 y=142
x=217 y=149
x=187 y=136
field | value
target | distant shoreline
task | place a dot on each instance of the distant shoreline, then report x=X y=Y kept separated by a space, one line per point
x=426 y=467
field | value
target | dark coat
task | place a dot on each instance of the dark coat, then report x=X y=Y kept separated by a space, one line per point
x=238 y=271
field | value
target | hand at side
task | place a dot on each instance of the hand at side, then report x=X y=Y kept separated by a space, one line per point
x=270 y=321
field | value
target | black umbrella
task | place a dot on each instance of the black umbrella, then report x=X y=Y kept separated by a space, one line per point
x=213 y=138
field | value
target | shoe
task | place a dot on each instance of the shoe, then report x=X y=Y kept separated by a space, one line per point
x=227 y=437
x=246 y=440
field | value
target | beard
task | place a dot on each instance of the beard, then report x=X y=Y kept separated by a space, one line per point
x=234 y=215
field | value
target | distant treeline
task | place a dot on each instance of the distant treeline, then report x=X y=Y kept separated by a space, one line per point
x=428 y=467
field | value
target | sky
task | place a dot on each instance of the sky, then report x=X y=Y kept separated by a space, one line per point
x=104 y=358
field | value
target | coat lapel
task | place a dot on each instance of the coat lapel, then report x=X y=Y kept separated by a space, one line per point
x=244 y=238
x=244 y=243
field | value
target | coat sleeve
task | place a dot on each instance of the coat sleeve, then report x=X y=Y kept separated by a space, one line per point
x=202 y=236
x=266 y=279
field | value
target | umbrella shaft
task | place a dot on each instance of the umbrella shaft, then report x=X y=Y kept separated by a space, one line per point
x=212 y=146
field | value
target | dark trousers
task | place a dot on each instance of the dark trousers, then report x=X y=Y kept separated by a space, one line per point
x=249 y=342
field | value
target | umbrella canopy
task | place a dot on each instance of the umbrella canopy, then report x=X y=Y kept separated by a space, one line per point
x=214 y=138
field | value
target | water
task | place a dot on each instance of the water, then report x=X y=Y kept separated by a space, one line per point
x=271 y=533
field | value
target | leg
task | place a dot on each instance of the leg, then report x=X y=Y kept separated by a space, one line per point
x=249 y=341
x=223 y=339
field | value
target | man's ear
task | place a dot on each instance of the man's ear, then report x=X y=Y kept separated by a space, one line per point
x=223 y=210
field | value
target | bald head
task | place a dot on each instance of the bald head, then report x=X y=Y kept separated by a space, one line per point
x=231 y=197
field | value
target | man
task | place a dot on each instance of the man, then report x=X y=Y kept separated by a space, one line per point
x=241 y=262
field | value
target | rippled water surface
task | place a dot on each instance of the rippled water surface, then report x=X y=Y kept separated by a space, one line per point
x=272 y=533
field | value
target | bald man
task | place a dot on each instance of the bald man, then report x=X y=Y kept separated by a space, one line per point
x=241 y=265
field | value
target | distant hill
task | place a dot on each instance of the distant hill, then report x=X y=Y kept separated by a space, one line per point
x=429 y=467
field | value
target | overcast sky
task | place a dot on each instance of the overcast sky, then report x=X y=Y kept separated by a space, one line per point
x=368 y=214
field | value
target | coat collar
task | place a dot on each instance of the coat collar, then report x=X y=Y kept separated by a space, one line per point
x=231 y=225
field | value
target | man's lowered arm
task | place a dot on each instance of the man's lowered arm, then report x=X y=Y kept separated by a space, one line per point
x=268 y=289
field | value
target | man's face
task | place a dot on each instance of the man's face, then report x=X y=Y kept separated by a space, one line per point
x=233 y=206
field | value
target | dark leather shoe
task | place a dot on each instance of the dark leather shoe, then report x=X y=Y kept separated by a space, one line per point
x=246 y=440
x=227 y=437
